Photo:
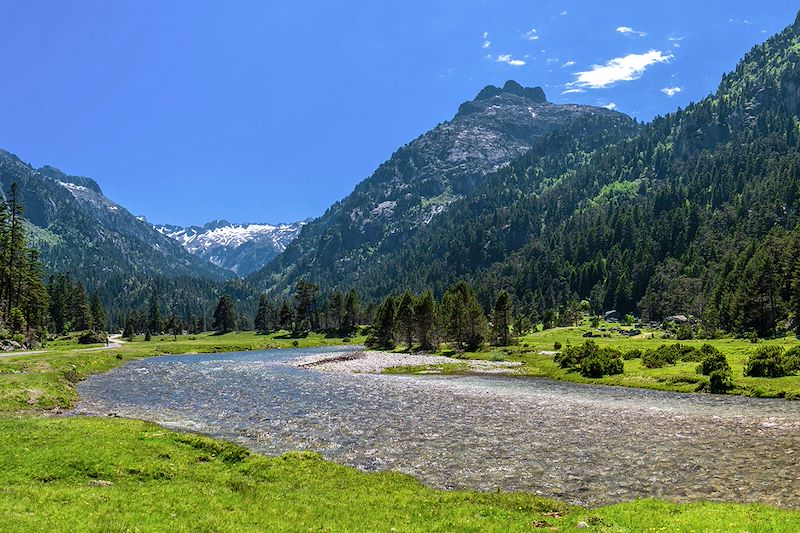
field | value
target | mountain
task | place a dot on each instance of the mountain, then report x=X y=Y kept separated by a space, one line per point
x=240 y=248
x=424 y=178
x=699 y=213
x=80 y=231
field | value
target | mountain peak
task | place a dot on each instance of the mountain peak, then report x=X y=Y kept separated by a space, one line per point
x=536 y=94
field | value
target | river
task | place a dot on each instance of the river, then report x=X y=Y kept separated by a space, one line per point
x=587 y=445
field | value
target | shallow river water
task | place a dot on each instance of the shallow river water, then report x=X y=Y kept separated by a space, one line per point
x=588 y=445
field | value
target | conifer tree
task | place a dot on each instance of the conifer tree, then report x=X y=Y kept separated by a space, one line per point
x=425 y=321
x=501 y=320
x=98 y=313
x=383 y=329
x=225 y=315
x=405 y=319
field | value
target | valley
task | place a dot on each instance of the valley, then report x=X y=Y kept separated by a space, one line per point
x=533 y=314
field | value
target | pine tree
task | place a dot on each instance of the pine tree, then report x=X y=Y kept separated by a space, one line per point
x=464 y=320
x=352 y=307
x=262 y=323
x=425 y=321
x=383 y=329
x=79 y=308
x=225 y=315
x=405 y=319
x=501 y=320
x=154 y=323
x=98 y=313
x=286 y=317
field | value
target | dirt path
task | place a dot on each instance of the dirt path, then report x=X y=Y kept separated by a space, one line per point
x=114 y=341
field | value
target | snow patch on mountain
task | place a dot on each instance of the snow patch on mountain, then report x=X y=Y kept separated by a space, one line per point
x=241 y=248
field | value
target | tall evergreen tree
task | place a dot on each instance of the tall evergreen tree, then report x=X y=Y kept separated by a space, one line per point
x=98 y=313
x=425 y=321
x=225 y=315
x=501 y=320
x=405 y=318
x=154 y=320
x=383 y=328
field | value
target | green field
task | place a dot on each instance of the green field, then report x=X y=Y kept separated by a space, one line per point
x=108 y=474
x=680 y=377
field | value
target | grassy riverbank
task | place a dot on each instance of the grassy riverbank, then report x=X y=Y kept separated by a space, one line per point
x=535 y=351
x=83 y=473
x=47 y=381
x=111 y=474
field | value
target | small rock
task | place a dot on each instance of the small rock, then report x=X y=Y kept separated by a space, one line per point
x=99 y=483
x=582 y=525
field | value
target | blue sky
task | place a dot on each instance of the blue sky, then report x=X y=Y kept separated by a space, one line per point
x=186 y=111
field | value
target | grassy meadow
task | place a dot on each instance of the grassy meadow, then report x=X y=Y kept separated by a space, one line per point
x=535 y=350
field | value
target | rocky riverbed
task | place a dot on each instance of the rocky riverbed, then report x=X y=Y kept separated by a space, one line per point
x=375 y=362
x=582 y=444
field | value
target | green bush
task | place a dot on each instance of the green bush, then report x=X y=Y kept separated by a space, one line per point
x=661 y=356
x=572 y=356
x=604 y=362
x=769 y=362
x=632 y=354
x=557 y=345
x=713 y=361
x=719 y=381
x=792 y=360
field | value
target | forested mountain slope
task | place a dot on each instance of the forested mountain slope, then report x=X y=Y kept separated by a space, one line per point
x=421 y=181
x=80 y=231
x=697 y=214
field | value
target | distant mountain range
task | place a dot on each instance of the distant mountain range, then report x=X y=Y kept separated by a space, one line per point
x=240 y=248
x=79 y=230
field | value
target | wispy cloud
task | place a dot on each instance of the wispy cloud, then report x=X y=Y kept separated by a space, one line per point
x=568 y=64
x=531 y=35
x=611 y=105
x=564 y=13
x=487 y=44
x=486 y=35
x=627 y=68
x=671 y=91
x=573 y=91
x=627 y=30
x=507 y=59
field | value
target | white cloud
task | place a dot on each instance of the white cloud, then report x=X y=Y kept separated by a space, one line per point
x=671 y=91
x=573 y=91
x=563 y=13
x=486 y=35
x=487 y=44
x=627 y=30
x=507 y=59
x=531 y=35
x=627 y=68
x=612 y=105
x=551 y=60
x=568 y=64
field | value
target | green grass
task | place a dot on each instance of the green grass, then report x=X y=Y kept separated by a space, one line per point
x=123 y=475
x=680 y=377
x=47 y=381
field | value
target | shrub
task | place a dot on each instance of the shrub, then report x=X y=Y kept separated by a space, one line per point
x=91 y=337
x=792 y=360
x=572 y=356
x=713 y=361
x=768 y=362
x=632 y=354
x=719 y=381
x=557 y=345
x=601 y=363
x=661 y=356
x=684 y=332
